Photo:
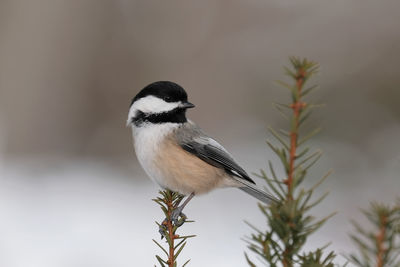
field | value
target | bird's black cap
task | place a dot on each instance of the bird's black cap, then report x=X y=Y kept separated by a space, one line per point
x=168 y=91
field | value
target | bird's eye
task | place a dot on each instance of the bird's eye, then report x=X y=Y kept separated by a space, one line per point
x=167 y=98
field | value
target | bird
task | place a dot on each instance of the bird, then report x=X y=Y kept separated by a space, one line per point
x=175 y=153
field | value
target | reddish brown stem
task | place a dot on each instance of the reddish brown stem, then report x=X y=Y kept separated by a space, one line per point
x=297 y=106
x=171 y=233
x=380 y=239
x=285 y=261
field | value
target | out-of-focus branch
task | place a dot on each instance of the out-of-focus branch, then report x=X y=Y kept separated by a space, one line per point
x=378 y=247
x=380 y=239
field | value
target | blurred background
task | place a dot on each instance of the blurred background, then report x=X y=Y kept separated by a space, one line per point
x=71 y=190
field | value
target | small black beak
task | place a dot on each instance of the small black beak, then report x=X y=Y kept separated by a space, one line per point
x=187 y=105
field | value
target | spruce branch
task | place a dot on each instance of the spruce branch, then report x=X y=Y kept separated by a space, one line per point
x=289 y=221
x=168 y=202
x=380 y=246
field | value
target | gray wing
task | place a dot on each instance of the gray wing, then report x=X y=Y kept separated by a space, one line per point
x=213 y=153
x=191 y=139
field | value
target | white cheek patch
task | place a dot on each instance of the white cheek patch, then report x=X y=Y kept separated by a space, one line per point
x=150 y=104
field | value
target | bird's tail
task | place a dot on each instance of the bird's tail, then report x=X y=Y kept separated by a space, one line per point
x=256 y=192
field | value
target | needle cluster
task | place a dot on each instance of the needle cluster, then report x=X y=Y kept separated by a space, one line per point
x=168 y=202
x=289 y=220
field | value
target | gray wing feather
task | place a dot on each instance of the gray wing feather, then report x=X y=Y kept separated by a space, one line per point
x=256 y=192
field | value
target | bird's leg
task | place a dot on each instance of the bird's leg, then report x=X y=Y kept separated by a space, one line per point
x=178 y=211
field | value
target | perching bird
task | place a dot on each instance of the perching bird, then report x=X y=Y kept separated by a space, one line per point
x=175 y=153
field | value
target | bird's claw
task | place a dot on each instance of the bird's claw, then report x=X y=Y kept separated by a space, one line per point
x=162 y=228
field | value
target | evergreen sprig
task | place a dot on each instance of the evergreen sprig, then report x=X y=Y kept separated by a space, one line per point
x=379 y=246
x=289 y=220
x=168 y=202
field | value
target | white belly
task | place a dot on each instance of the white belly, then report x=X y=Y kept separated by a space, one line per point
x=147 y=140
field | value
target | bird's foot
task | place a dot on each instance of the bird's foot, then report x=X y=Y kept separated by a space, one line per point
x=178 y=217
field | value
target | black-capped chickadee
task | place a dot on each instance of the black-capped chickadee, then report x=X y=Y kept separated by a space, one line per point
x=175 y=153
